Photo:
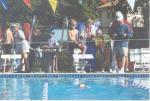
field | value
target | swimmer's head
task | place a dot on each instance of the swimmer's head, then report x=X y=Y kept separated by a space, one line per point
x=82 y=85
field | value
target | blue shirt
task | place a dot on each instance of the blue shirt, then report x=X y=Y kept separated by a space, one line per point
x=120 y=30
x=81 y=27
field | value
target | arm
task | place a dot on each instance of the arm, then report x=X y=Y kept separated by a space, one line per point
x=56 y=42
x=130 y=29
x=130 y=32
x=77 y=35
x=112 y=29
x=21 y=35
x=12 y=37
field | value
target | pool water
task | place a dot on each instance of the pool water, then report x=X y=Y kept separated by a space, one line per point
x=100 y=88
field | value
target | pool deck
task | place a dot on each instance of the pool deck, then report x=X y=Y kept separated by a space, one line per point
x=76 y=75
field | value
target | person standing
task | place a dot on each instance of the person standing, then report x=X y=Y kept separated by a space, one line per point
x=8 y=40
x=89 y=34
x=34 y=45
x=99 y=42
x=53 y=53
x=102 y=42
x=22 y=47
x=120 y=32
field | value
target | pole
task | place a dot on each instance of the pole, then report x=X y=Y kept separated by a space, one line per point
x=65 y=26
x=32 y=27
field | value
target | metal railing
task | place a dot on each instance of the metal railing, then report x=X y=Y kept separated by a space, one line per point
x=40 y=59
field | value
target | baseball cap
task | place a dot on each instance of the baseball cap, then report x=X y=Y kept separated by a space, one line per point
x=119 y=16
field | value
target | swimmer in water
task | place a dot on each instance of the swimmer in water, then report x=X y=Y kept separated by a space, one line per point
x=82 y=85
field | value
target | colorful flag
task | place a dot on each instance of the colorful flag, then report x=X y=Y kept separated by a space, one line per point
x=28 y=3
x=103 y=1
x=131 y=3
x=53 y=4
x=27 y=29
x=4 y=4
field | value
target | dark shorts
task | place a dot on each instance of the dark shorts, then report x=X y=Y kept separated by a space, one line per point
x=7 y=48
x=47 y=59
x=72 y=46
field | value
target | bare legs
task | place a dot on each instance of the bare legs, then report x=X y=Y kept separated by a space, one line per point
x=83 y=48
x=25 y=62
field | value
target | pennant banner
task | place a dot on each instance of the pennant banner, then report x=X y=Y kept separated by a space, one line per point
x=108 y=4
x=27 y=29
x=4 y=4
x=103 y=1
x=28 y=3
x=53 y=4
x=131 y=3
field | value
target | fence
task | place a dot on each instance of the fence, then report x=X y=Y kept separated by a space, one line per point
x=40 y=59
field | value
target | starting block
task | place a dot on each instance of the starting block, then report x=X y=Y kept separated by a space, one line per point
x=77 y=58
x=9 y=56
x=141 y=57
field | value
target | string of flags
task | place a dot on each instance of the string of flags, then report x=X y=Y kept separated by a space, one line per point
x=103 y=1
x=131 y=3
x=53 y=4
x=4 y=4
x=28 y=3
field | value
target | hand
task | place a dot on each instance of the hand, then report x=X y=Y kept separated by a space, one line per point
x=54 y=44
x=81 y=37
x=88 y=35
x=76 y=42
x=115 y=35
x=125 y=35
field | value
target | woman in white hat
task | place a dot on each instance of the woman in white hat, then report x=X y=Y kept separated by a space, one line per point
x=22 y=47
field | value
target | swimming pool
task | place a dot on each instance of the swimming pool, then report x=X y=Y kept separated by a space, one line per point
x=74 y=87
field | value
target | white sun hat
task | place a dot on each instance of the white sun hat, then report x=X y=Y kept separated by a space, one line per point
x=15 y=25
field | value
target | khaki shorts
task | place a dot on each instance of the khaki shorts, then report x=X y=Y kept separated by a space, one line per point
x=121 y=51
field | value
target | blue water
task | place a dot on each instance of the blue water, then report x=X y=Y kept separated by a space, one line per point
x=101 y=88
